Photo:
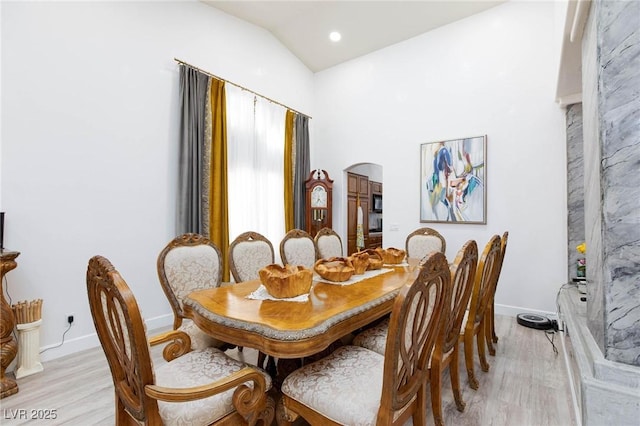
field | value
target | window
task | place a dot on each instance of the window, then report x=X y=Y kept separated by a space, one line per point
x=255 y=164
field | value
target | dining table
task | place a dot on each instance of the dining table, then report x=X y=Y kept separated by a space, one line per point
x=288 y=329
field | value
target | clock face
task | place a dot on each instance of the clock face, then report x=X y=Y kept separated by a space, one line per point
x=318 y=196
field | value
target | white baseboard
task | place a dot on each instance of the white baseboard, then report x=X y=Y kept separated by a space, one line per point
x=513 y=311
x=90 y=341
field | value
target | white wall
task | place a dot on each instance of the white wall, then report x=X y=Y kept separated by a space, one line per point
x=89 y=139
x=493 y=73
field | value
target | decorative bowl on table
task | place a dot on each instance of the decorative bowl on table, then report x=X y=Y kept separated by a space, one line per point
x=391 y=256
x=336 y=269
x=375 y=260
x=283 y=282
x=360 y=262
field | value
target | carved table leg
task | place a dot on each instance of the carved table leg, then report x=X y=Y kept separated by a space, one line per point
x=8 y=344
x=285 y=366
x=284 y=417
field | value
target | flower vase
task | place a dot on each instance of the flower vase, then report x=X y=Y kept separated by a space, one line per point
x=581 y=270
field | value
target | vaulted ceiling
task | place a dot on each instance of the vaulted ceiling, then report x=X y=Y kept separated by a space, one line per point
x=304 y=26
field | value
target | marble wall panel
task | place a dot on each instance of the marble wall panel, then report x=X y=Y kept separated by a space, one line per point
x=619 y=108
x=575 y=186
x=592 y=199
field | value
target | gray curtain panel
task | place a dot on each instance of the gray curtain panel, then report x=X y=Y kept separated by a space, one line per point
x=193 y=94
x=303 y=168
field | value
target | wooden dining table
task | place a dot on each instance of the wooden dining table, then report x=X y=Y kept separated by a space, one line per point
x=288 y=329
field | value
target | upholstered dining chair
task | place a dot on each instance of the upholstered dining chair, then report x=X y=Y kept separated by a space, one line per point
x=328 y=243
x=491 y=331
x=475 y=321
x=298 y=248
x=189 y=262
x=446 y=352
x=354 y=385
x=248 y=253
x=422 y=241
x=194 y=388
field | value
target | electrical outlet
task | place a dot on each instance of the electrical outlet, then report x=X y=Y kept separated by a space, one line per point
x=70 y=319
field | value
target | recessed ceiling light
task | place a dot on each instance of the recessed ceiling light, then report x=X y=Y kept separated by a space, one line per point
x=335 y=36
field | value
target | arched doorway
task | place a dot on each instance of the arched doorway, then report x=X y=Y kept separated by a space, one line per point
x=364 y=186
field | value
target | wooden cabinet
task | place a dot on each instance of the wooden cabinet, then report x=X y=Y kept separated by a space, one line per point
x=357 y=187
x=375 y=188
x=375 y=240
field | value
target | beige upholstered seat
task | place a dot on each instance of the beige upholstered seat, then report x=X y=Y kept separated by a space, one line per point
x=194 y=388
x=356 y=386
x=492 y=337
x=446 y=352
x=298 y=248
x=374 y=338
x=475 y=322
x=189 y=262
x=328 y=243
x=422 y=241
x=249 y=253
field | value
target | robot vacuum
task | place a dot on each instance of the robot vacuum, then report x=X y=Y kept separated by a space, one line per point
x=534 y=321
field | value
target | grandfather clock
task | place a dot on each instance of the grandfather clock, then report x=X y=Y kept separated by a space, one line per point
x=318 y=206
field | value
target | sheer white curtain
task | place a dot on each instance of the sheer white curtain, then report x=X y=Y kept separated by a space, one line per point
x=255 y=165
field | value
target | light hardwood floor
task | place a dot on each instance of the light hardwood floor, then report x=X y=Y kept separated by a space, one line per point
x=526 y=385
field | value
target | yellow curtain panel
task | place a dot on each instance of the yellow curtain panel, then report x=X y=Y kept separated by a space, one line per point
x=218 y=198
x=288 y=171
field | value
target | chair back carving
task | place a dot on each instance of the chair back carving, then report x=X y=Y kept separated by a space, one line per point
x=463 y=273
x=298 y=248
x=249 y=253
x=415 y=324
x=189 y=262
x=422 y=241
x=328 y=243
x=491 y=333
x=485 y=281
x=503 y=251
x=121 y=332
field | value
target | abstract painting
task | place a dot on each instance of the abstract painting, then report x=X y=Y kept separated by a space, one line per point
x=453 y=181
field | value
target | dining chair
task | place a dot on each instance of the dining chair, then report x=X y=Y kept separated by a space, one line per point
x=298 y=248
x=374 y=337
x=193 y=388
x=446 y=351
x=422 y=241
x=248 y=253
x=328 y=243
x=475 y=317
x=356 y=386
x=491 y=331
x=187 y=263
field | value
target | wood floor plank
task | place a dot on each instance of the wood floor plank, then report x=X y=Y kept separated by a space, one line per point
x=526 y=385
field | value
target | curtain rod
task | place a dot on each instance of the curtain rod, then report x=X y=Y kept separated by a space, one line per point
x=239 y=86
